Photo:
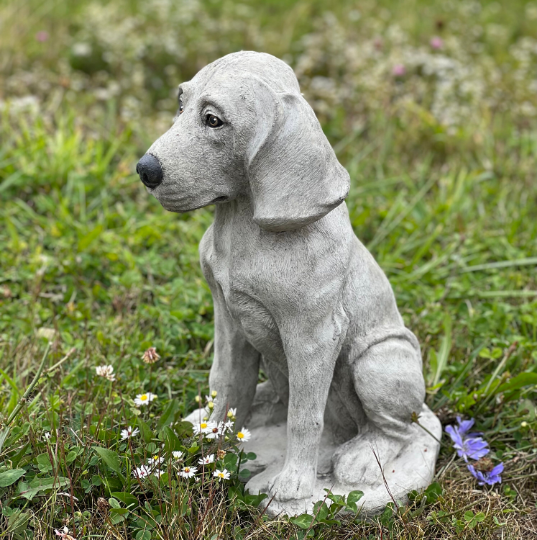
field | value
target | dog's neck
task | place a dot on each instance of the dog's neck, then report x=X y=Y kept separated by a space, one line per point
x=239 y=209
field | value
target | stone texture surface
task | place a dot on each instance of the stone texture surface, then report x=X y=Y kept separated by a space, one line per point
x=412 y=468
x=295 y=292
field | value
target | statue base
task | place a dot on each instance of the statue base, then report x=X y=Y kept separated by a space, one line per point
x=412 y=469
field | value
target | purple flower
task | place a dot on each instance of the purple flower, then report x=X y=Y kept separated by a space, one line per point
x=465 y=426
x=487 y=477
x=468 y=447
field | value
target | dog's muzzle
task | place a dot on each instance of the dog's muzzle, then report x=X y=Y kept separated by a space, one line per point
x=150 y=171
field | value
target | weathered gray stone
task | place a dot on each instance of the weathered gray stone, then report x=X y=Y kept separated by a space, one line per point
x=294 y=292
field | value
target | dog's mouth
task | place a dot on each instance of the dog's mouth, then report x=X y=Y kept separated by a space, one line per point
x=185 y=204
x=221 y=199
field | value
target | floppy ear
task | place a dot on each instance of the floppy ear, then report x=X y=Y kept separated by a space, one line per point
x=294 y=175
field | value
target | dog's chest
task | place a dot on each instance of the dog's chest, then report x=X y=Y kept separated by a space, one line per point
x=241 y=281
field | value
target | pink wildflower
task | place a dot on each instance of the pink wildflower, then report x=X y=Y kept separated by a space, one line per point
x=398 y=70
x=42 y=36
x=436 y=43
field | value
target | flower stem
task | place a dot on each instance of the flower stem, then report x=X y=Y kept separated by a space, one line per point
x=427 y=431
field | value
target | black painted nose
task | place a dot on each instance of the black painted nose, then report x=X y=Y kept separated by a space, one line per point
x=150 y=171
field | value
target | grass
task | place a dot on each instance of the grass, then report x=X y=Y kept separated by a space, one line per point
x=96 y=270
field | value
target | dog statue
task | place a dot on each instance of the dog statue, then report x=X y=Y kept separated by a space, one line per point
x=295 y=292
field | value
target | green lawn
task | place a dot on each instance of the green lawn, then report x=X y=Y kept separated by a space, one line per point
x=440 y=139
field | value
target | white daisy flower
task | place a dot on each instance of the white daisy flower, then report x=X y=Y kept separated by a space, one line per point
x=244 y=435
x=203 y=427
x=232 y=412
x=229 y=425
x=177 y=454
x=157 y=472
x=221 y=475
x=144 y=399
x=216 y=431
x=206 y=460
x=46 y=435
x=129 y=432
x=141 y=472
x=155 y=460
x=188 y=472
x=106 y=371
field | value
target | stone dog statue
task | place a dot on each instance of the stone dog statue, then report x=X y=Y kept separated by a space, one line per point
x=295 y=292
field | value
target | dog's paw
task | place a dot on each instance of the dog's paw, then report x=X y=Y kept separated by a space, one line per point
x=355 y=462
x=292 y=483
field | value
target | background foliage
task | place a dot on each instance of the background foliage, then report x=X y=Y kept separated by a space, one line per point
x=432 y=107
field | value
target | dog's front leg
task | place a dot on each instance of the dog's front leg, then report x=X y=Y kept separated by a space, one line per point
x=235 y=367
x=311 y=354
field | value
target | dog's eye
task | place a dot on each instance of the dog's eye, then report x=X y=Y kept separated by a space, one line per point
x=181 y=106
x=213 y=121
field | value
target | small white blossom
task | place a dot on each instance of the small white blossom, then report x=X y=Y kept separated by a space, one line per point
x=221 y=475
x=64 y=534
x=144 y=399
x=47 y=333
x=244 y=435
x=188 y=472
x=129 y=432
x=217 y=431
x=206 y=460
x=141 y=472
x=155 y=460
x=229 y=425
x=106 y=371
x=177 y=454
x=203 y=427
x=46 y=435
x=232 y=412
x=68 y=495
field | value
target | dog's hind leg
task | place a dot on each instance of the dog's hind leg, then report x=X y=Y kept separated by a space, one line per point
x=389 y=383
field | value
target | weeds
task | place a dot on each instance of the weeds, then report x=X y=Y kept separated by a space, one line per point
x=442 y=155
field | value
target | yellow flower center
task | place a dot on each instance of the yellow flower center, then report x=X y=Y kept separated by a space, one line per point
x=203 y=425
x=221 y=475
x=240 y=435
x=155 y=458
x=187 y=469
x=143 y=397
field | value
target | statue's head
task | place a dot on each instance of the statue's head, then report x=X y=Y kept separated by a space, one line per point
x=243 y=128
